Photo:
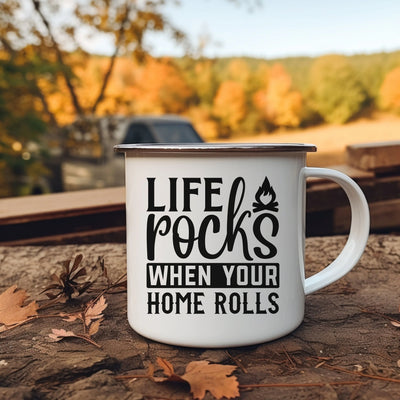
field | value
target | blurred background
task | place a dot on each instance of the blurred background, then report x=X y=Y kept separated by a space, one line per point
x=75 y=75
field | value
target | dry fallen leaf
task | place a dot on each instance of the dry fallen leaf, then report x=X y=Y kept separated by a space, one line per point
x=215 y=378
x=91 y=318
x=99 y=275
x=168 y=371
x=95 y=311
x=166 y=366
x=12 y=310
x=59 y=334
x=68 y=283
x=202 y=377
x=94 y=327
x=75 y=280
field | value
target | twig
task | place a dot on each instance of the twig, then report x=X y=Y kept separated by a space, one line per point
x=30 y=319
x=319 y=358
x=237 y=362
x=130 y=377
x=117 y=282
x=289 y=358
x=49 y=303
x=8 y=328
x=322 y=384
x=381 y=378
x=366 y=311
x=109 y=287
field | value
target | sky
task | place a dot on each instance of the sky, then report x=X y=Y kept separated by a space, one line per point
x=282 y=28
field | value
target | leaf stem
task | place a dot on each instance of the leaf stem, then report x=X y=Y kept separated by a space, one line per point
x=88 y=339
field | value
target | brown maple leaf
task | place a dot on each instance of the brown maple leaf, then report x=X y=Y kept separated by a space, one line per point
x=202 y=377
x=12 y=309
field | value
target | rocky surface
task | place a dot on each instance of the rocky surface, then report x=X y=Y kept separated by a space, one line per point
x=338 y=335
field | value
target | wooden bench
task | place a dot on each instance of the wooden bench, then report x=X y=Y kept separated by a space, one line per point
x=98 y=215
x=376 y=168
x=85 y=216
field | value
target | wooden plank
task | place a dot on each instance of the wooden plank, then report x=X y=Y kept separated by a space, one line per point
x=357 y=174
x=83 y=228
x=56 y=205
x=325 y=195
x=110 y=235
x=385 y=217
x=99 y=215
x=377 y=157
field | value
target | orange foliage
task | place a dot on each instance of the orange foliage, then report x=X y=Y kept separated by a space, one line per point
x=204 y=81
x=58 y=99
x=230 y=104
x=160 y=89
x=158 y=86
x=88 y=76
x=278 y=103
x=390 y=90
x=120 y=92
x=238 y=71
x=201 y=117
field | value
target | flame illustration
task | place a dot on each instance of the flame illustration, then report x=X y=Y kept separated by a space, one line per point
x=265 y=198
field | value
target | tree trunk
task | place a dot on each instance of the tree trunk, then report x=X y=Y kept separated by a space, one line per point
x=71 y=89
x=108 y=73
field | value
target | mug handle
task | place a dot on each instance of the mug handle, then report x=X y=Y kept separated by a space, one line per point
x=359 y=230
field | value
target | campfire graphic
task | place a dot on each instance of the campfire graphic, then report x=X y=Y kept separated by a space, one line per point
x=265 y=198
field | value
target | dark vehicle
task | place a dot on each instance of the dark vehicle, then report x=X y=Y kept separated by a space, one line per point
x=160 y=130
x=90 y=161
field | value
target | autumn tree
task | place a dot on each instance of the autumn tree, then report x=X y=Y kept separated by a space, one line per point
x=122 y=23
x=118 y=96
x=390 y=91
x=279 y=104
x=230 y=107
x=336 y=92
x=160 y=88
x=239 y=71
x=56 y=30
x=47 y=39
x=199 y=74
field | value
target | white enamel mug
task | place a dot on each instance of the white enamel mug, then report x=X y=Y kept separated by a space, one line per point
x=215 y=241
